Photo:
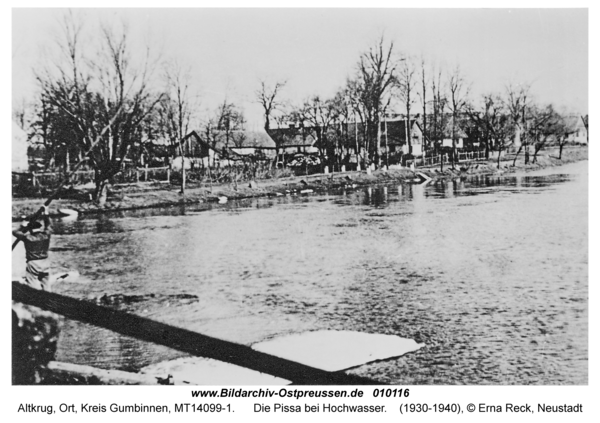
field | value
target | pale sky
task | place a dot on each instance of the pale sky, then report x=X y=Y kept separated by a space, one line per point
x=316 y=49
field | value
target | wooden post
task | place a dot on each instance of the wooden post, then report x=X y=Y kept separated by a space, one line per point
x=169 y=175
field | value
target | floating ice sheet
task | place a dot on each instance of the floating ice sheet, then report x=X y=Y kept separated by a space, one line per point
x=337 y=350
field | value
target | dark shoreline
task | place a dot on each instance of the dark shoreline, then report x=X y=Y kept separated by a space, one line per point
x=146 y=196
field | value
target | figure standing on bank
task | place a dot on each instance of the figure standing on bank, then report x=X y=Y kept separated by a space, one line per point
x=36 y=238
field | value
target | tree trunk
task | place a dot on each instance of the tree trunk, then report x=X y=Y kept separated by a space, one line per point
x=100 y=183
x=182 y=191
x=387 y=146
x=499 y=154
x=181 y=153
x=560 y=148
x=101 y=192
x=408 y=134
x=517 y=155
x=378 y=146
x=453 y=152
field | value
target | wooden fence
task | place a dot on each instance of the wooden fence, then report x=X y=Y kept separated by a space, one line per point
x=51 y=180
x=433 y=160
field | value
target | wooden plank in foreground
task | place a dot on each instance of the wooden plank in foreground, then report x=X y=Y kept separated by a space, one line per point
x=181 y=339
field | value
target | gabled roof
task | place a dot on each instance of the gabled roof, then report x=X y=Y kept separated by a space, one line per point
x=293 y=137
x=574 y=122
x=222 y=140
x=458 y=130
x=244 y=139
x=396 y=129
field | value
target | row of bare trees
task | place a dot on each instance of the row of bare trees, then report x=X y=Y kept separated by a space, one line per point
x=500 y=119
x=97 y=102
x=104 y=102
x=386 y=81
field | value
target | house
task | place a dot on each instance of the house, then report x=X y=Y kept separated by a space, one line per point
x=295 y=138
x=346 y=140
x=459 y=134
x=20 y=160
x=577 y=129
x=395 y=134
x=205 y=148
x=256 y=144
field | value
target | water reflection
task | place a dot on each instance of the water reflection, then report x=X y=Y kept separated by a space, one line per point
x=493 y=293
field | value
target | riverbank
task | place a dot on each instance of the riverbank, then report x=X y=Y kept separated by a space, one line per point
x=156 y=195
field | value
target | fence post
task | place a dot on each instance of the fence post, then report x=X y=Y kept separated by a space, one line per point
x=169 y=175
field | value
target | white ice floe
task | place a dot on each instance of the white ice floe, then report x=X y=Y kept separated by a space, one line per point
x=337 y=350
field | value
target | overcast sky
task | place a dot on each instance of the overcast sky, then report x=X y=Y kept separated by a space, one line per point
x=316 y=49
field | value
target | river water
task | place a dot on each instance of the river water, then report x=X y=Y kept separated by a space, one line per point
x=490 y=273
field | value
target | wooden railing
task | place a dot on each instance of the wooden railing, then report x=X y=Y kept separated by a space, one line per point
x=437 y=159
x=129 y=175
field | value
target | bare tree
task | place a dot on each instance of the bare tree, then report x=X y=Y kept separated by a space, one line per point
x=406 y=85
x=543 y=123
x=105 y=97
x=517 y=102
x=376 y=76
x=341 y=114
x=354 y=92
x=439 y=119
x=423 y=97
x=458 y=91
x=492 y=122
x=176 y=108
x=227 y=119
x=320 y=115
x=267 y=96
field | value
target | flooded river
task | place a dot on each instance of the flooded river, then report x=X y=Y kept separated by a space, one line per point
x=490 y=273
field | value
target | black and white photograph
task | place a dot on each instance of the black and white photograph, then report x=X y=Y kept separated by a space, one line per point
x=239 y=197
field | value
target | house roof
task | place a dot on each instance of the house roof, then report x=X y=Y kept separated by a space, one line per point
x=396 y=129
x=306 y=136
x=574 y=122
x=222 y=140
x=458 y=130
x=244 y=139
x=293 y=137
